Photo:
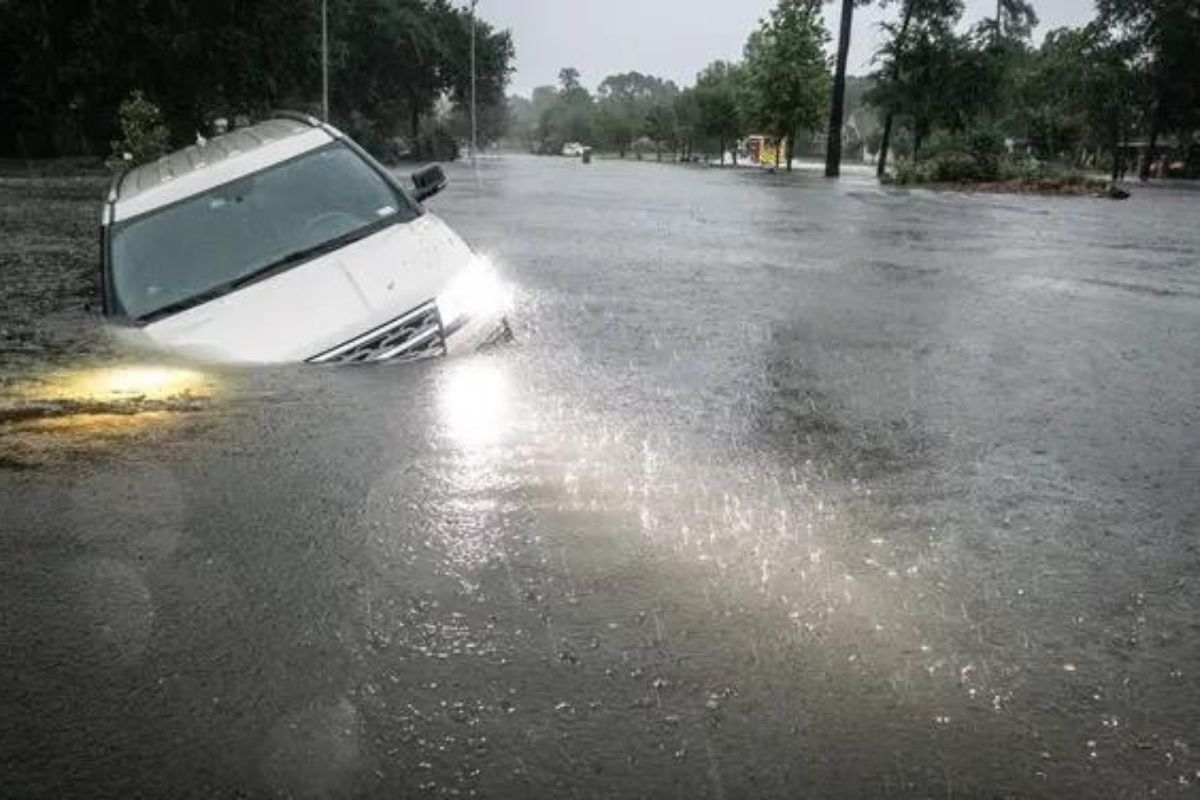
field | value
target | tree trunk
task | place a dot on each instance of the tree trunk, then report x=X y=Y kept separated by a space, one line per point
x=909 y=8
x=721 y=142
x=1148 y=159
x=837 y=110
x=791 y=148
x=1123 y=143
x=884 y=144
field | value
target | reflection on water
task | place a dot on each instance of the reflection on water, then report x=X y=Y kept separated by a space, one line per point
x=735 y=511
x=475 y=401
x=119 y=388
x=129 y=382
x=65 y=413
x=476 y=414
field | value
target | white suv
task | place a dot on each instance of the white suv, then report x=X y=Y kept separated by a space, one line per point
x=286 y=242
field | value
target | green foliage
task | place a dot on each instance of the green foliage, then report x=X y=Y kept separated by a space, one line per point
x=1136 y=70
x=958 y=168
x=1162 y=38
x=787 y=81
x=659 y=127
x=718 y=88
x=689 y=121
x=974 y=156
x=566 y=114
x=66 y=67
x=1078 y=93
x=632 y=104
x=394 y=59
x=626 y=106
x=144 y=137
x=436 y=141
x=1016 y=21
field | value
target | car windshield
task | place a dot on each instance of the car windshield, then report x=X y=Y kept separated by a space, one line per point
x=212 y=242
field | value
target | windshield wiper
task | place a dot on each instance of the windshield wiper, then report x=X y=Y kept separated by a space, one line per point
x=275 y=266
x=311 y=252
x=185 y=304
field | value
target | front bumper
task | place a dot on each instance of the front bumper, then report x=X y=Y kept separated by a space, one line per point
x=473 y=334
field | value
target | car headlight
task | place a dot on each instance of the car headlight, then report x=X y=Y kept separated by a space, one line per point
x=475 y=292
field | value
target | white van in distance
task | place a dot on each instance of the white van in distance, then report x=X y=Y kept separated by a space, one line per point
x=286 y=242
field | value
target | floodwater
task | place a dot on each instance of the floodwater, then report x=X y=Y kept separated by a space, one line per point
x=786 y=488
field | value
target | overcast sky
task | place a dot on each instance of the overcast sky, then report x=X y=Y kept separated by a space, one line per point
x=676 y=38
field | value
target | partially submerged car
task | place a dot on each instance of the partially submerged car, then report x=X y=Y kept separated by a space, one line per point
x=286 y=242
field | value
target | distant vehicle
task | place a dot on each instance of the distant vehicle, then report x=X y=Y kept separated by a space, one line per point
x=286 y=242
x=573 y=149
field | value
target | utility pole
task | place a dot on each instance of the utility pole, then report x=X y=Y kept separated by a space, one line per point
x=837 y=109
x=474 y=120
x=325 y=60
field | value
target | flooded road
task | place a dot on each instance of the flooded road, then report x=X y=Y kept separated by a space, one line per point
x=785 y=488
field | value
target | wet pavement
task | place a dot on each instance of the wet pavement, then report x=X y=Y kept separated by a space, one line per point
x=786 y=488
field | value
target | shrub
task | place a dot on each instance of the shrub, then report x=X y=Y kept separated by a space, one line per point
x=963 y=168
x=977 y=156
x=911 y=172
x=437 y=143
x=144 y=136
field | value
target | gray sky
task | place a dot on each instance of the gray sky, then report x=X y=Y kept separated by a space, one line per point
x=676 y=38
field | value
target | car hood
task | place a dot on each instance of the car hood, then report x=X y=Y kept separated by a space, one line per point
x=317 y=305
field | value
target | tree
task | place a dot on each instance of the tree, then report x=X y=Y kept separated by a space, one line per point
x=1049 y=94
x=143 y=134
x=1014 y=18
x=1163 y=37
x=494 y=55
x=522 y=121
x=570 y=117
x=1107 y=88
x=717 y=89
x=688 y=122
x=659 y=127
x=616 y=128
x=66 y=67
x=787 y=79
x=931 y=17
x=1002 y=55
x=568 y=79
x=625 y=102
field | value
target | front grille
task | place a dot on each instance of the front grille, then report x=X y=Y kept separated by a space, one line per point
x=417 y=334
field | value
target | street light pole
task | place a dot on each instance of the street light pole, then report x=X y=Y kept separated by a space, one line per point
x=325 y=60
x=474 y=121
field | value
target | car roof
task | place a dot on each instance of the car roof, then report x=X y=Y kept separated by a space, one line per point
x=219 y=160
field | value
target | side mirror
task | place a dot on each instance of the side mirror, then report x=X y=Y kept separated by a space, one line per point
x=428 y=182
